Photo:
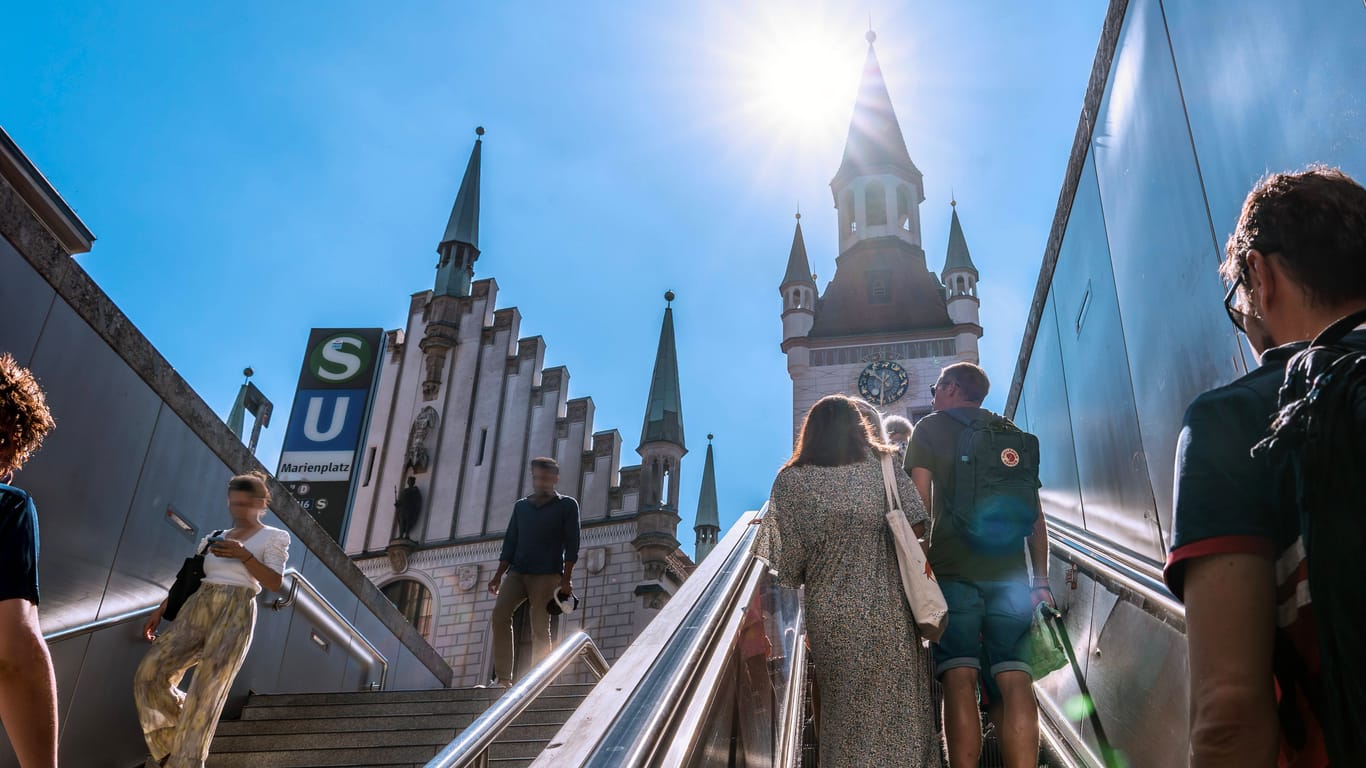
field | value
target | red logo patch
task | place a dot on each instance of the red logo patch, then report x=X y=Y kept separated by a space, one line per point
x=1010 y=457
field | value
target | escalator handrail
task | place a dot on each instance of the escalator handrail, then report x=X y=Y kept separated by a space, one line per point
x=1120 y=572
x=793 y=724
x=626 y=716
x=472 y=743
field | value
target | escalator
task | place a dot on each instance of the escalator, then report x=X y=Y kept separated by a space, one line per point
x=721 y=678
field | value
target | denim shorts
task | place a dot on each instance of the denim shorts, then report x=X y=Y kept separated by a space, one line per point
x=990 y=616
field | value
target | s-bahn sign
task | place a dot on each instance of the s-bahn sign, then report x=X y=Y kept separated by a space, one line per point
x=327 y=421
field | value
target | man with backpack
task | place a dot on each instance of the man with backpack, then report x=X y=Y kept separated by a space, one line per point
x=1268 y=545
x=980 y=475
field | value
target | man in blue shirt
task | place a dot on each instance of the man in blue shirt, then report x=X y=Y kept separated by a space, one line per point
x=539 y=551
x=28 y=689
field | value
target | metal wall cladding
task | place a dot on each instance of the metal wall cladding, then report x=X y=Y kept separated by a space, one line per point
x=1111 y=465
x=102 y=483
x=84 y=478
x=1178 y=339
x=1050 y=420
x=1138 y=679
x=26 y=299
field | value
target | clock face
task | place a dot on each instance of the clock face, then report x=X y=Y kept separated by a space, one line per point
x=883 y=382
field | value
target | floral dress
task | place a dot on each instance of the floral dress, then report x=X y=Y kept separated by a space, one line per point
x=826 y=529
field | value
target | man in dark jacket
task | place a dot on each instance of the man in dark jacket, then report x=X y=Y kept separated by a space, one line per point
x=539 y=551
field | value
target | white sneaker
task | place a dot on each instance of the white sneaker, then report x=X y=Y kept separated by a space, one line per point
x=494 y=683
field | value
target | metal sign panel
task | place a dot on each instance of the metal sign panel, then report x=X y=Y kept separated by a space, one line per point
x=327 y=421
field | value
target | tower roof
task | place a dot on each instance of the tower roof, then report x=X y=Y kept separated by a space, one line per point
x=958 y=257
x=875 y=143
x=798 y=266
x=463 y=226
x=708 y=511
x=664 y=409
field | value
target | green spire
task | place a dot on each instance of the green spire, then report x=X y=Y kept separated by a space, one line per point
x=798 y=266
x=238 y=415
x=459 y=246
x=664 y=410
x=708 y=524
x=958 y=257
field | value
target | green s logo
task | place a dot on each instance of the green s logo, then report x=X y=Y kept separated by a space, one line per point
x=339 y=358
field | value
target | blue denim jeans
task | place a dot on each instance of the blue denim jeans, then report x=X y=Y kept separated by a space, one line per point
x=990 y=615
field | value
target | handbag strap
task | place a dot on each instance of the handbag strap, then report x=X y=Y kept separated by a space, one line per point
x=206 y=546
x=889 y=483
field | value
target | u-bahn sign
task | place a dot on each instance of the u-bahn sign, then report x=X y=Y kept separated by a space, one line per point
x=327 y=421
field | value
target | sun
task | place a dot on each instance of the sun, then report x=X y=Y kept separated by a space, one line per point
x=796 y=74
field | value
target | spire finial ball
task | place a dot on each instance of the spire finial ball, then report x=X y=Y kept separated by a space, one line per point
x=248 y=372
x=799 y=217
x=709 y=437
x=669 y=296
x=871 y=37
x=479 y=131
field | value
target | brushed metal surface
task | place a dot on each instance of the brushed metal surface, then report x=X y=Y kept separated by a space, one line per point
x=1138 y=678
x=1050 y=419
x=25 y=300
x=1111 y=466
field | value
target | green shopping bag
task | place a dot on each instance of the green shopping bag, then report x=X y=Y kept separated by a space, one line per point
x=1046 y=653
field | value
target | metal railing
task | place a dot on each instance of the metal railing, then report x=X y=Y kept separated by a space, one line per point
x=319 y=608
x=471 y=747
x=322 y=611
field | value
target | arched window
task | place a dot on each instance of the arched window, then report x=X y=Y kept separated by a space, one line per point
x=875 y=203
x=413 y=601
x=962 y=285
x=847 y=222
x=903 y=207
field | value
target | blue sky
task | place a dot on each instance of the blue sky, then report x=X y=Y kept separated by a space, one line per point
x=254 y=170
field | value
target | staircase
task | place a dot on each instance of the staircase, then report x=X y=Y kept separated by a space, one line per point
x=389 y=729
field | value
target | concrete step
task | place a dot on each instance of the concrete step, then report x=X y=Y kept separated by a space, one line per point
x=387 y=697
x=433 y=737
x=317 y=758
x=301 y=711
x=379 y=723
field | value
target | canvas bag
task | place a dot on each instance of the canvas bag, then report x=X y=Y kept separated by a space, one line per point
x=917 y=580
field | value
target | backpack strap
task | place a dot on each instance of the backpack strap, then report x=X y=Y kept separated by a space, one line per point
x=1335 y=332
x=206 y=545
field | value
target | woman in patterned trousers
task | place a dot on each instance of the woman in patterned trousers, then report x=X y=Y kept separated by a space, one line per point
x=211 y=633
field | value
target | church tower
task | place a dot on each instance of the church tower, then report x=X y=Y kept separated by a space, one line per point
x=708 y=526
x=885 y=324
x=661 y=451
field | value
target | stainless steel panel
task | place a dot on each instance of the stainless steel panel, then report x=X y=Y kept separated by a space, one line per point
x=379 y=635
x=1250 y=112
x=84 y=477
x=1179 y=341
x=1138 y=677
x=1050 y=419
x=1111 y=467
x=25 y=300
x=407 y=673
x=101 y=730
x=179 y=472
x=311 y=667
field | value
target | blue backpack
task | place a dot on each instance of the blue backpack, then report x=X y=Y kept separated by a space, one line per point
x=995 y=490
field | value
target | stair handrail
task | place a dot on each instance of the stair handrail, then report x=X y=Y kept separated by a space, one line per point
x=471 y=746
x=297 y=582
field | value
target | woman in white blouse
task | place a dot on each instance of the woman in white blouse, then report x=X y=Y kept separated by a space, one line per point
x=211 y=633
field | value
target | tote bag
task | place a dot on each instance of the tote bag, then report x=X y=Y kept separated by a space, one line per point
x=917 y=580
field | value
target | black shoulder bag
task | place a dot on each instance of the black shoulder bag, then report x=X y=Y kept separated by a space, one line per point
x=187 y=581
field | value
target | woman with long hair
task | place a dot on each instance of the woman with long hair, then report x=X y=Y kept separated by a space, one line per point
x=826 y=530
x=211 y=633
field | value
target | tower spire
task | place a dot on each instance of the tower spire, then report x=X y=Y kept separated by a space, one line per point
x=708 y=525
x=958 y=258
x=875 y=143
x=798 y=266
x=459 y=246
x=664 y=409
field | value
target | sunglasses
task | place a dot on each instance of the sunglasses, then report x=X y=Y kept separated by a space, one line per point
x=1235 y=316
x=934 y=388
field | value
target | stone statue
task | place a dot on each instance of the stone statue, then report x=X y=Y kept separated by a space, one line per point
x=416 y=457
x=408 y=508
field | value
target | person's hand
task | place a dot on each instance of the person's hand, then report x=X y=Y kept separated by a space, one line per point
x=149 y=630
x=566 y=585
x=1042 y=594
x=493 y=584
x=230 y=548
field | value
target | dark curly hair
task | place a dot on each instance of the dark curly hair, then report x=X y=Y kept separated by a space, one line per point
x=253 y=482
x=24 y=417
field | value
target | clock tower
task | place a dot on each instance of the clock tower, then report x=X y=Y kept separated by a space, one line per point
x=885 y=324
